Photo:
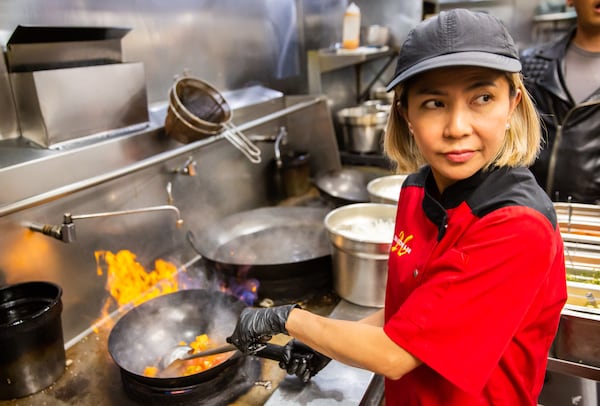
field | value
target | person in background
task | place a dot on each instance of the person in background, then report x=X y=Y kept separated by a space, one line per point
x=563 y=78
x=476 y=273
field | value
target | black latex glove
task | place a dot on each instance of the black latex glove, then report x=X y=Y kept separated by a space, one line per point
x=256 y=326
x=301 y=360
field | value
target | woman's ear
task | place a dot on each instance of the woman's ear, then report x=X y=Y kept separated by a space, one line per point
x=398 y=107
x=515 y=102
x=404 y=114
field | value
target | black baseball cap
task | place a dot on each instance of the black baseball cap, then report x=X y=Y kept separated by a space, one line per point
x=456 y=37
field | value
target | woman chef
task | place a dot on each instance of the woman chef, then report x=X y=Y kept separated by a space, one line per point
x=476 y=278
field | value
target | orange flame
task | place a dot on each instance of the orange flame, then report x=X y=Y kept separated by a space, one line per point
x=129 y=283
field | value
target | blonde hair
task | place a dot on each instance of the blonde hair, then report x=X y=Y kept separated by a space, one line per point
x=521 y=146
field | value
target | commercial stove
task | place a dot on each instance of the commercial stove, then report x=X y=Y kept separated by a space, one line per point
x=92 y=378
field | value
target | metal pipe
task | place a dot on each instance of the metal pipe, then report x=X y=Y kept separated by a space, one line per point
x=129 y=211
x=65 y=232
x=262 y=137
x=146 y=163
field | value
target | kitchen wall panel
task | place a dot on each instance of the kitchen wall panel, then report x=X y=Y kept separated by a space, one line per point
x=228 y=43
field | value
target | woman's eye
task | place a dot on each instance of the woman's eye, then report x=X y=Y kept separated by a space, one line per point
x=433 y=104
x=484 y=98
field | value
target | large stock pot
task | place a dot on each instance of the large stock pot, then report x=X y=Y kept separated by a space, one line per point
x=32 y=354
x=361 y=235
x=363 y=127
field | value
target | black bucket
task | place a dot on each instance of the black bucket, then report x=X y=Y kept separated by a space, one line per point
x=31 y=338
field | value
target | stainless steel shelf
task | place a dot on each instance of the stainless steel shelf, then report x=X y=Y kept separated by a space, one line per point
x=329 y=60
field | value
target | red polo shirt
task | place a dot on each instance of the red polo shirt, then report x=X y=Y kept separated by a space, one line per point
x=476 y=284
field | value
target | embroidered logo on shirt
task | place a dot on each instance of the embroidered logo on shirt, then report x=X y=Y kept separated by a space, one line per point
x=400 y=245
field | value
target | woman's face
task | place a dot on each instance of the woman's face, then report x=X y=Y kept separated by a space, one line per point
x=458 y=117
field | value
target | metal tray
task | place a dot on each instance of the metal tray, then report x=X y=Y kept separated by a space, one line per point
x=579 y=222
x=577 y=336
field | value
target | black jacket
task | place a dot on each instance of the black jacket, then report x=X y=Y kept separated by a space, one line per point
x=569 y=163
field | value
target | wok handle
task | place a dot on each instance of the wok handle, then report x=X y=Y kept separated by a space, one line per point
x=271 y=351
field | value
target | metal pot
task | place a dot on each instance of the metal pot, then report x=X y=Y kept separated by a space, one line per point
x=360 y=256
x=284 y=248
x=31 y=338
x=363 y=128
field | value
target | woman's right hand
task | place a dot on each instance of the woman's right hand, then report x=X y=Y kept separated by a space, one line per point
x=257 y=326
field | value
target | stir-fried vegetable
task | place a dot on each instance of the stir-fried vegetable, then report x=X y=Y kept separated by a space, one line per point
x=193 y=366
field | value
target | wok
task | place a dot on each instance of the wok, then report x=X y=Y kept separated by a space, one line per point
x=149 y=331
x=285 y=248
x=344 y=186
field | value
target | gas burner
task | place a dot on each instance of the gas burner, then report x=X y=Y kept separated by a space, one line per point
x=223 y=389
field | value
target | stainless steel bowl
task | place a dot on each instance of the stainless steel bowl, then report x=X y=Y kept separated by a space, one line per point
x=359 y=253
x=385 y=189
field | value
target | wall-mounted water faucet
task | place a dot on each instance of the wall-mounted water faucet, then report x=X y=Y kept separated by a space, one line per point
x=279 y=139
x=188 y=168
x=65 y=232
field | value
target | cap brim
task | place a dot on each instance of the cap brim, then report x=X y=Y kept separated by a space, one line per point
x=481 y=59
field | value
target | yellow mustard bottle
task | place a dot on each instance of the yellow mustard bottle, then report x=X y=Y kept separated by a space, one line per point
x=351 y=27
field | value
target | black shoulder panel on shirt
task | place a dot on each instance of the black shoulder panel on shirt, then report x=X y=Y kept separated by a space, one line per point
x=511 y=187
x=418 y=178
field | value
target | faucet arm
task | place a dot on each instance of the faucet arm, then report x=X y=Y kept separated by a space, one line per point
x=65 y=232
x=130 y=211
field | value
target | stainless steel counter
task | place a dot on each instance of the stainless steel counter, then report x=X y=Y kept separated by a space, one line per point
x=337 y=383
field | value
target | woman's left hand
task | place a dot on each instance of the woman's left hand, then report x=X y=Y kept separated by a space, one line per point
x=301 y=360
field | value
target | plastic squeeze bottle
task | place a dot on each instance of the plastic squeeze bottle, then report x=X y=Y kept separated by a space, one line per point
x=351 y=27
